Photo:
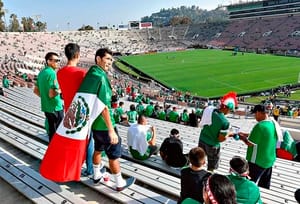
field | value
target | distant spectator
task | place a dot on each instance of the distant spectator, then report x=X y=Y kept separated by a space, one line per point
x=171 y=150
x=174 y=115
x=247 y=191
x=193 y=177
x=141 y=139
x=288 y=148
x=149 y=110
x=1 y=91
x=193 y=120
x=132 y=115
x=124 y=120
x=184 y=118
x=219 y=190
x=140 y=108
x=118 y=112
x=276 y=113
x=5 y=81
x=161 y=113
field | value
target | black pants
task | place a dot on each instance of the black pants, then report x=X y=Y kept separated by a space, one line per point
x=263 y=176
x=54 y=120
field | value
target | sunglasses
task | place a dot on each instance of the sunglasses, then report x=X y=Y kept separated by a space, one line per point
x=55 y=60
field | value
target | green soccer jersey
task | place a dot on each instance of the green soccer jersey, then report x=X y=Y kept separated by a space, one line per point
x=162 y=115
x=149 y=110
x=173 y=116
x=185 y=117
x=140 y=109
x=264 y=137
x=47 y=80
x=210 y=133
x=97 y=78
x=247 y=191
x=132 y=115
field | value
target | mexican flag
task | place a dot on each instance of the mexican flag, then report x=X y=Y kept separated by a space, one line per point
x=66 y=152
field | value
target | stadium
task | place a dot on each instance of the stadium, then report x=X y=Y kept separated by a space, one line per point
x=254 y=53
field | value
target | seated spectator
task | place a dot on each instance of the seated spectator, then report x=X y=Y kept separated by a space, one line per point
x=5 y=81
x=173 y=115
x=193 y=120
x=246 y=191
x=184 y=118
x=140 y=108
x=1 y=91
x=161 y=113
x=141 y=139
x=118 y=112
x=171 y=150
x=219 y=190
x=124 y=120
x=132 y=115
x=193 y=177
x=288 y=148
x=149 y=110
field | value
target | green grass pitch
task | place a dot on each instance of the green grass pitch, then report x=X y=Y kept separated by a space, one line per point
x=211 y=73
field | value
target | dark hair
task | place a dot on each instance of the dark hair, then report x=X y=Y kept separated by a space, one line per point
x=239 y=164
x=132 y=107
x=49 y=55
x=197 y=156
x=121 y=103
x=297 y=195
x=174 y=132
x=71 y=50
x=140 y=118
x=259 y=108
x=101 y=53
x=221 y=188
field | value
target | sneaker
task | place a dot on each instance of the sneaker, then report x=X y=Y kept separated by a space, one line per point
x=129 y=182
x=86 y=174
x=102 y=170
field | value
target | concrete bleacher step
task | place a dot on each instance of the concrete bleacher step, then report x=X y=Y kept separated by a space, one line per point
x=279 y=183
x=21 y=106
x=37 y=150
x=31 y=184
x=34 y=119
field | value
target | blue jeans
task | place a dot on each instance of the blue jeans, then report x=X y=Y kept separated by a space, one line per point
x=89 y=155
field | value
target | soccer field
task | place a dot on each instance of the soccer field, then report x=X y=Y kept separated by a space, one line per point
x=212 y=73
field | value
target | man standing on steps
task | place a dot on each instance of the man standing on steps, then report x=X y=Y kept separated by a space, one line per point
x=104 y=128
x=215 y=129
x=48 y=90
x=69 y=78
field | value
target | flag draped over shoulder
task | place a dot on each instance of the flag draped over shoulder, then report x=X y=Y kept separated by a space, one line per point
x=66 y=152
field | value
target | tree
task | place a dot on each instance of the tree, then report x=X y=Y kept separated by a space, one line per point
x=40 y=26
x=84 y=27
x=2 y=14
x=14 y=23
x=28 y=24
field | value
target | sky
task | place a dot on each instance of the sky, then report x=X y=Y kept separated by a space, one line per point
x=63 y=15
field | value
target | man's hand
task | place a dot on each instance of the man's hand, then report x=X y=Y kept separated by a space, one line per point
x=114 y=139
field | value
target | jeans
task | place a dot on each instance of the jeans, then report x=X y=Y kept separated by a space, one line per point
x=263 y=176
x=54 y=120
x=89 y=155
